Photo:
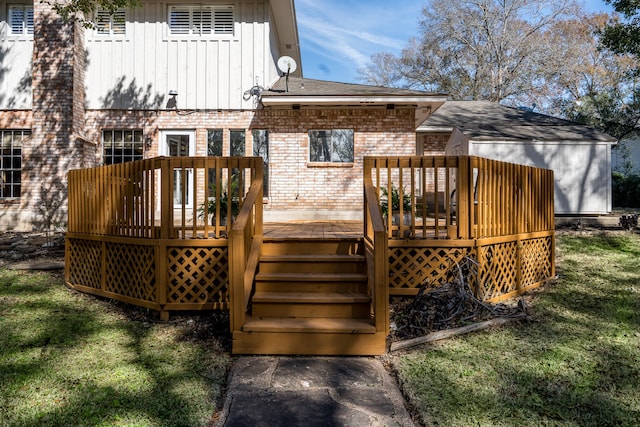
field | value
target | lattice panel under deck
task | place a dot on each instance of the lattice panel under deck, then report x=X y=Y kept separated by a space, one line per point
x=85 y=259
x=131 y=271
x=498 y=269
x=536 y=261
x=409 y=268
x=198 y=275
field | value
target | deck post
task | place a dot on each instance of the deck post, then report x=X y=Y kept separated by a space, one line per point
x=166 y=198
x=463 y=193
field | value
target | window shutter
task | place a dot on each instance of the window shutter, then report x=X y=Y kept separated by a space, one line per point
x=202 y=21
x=29 y=18
x=107 y=24
x=16 y=19
x=179 y=20
x=118 y=22
x=102 y=22
x=224 y=21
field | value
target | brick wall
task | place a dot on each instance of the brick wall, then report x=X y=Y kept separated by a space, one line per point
x=57 y=116
x=298 y=188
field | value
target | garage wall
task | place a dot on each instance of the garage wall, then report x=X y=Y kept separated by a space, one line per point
x=582 y=170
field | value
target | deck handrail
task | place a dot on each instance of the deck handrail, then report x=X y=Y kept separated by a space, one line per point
x=376 y=242
x=460 y=197
x=162 y=197
x=245 y=245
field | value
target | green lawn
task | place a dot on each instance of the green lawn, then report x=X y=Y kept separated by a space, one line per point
x=68 y=359
x=72 y=359
x=577 y=363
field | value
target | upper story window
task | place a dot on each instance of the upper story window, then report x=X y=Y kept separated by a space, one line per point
x=331 y=146
x=107 y=24
x=199 y=20
x=20 y=17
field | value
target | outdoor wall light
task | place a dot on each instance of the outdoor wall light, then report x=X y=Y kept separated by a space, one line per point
x=172 y=103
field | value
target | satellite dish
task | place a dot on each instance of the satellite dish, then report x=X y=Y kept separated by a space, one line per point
x=287 y=64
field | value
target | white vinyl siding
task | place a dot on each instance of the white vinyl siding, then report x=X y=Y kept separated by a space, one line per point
x=200 y=20
x=138 y=70
x=20 y=17
x=110 y=25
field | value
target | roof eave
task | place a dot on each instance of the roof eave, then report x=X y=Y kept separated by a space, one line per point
x=274 y=101
x=424 y=105
x=284 y=12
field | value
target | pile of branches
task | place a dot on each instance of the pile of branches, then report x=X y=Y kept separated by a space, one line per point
x=447 y=305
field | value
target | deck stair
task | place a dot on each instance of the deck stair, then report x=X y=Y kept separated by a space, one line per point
x=310 y=297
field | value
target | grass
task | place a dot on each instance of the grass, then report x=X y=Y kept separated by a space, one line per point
x=577 y=363
x=71 y=359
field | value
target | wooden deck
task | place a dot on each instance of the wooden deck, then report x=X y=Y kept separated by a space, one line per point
x=290 y=284
x=313 y=229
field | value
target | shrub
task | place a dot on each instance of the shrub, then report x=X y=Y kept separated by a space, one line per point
x=626 y=190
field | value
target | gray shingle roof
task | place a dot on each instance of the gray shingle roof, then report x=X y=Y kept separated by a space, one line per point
x=308 y=87
x=488 y=121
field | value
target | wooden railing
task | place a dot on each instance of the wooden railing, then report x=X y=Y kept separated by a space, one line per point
x=151 y=232
x=163 y=197
x=460 y=197
x=439 y=210
x=245 y=246
x=376 y=252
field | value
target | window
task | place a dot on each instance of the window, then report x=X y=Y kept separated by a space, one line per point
x=11 y=162
x=261 y=149
x=20 y=19
x=121 y=146
x=214 y=142
x=331 y=146
x=214 y=148
x=237 y=142
x=108 y=24
x=200 y=20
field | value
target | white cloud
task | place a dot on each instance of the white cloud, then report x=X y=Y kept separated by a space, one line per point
x=338 y=37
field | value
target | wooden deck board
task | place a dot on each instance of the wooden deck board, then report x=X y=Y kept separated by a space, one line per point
x=313 y=229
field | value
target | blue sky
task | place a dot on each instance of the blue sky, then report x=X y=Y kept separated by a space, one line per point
x=337 y=37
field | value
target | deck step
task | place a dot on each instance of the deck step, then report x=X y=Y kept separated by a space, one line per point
x=310 y=277
x=310 y=297
x=307 y=324
x=337 y=246
x=312 y=258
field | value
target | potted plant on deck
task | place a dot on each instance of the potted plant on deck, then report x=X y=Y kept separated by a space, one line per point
x=395 y=205
x=208 y=209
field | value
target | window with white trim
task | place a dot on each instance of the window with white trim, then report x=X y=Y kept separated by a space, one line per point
x=20 y=18
x=331 y=146
x=11 y=162
x=107 y=24
x=122 y=145
x=200 y=20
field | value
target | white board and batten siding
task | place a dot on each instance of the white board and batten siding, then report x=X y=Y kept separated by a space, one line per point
x=582 y=170
x=136 y=70
x=16 y=51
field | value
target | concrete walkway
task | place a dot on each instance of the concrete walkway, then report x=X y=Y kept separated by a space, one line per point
x=312 y=391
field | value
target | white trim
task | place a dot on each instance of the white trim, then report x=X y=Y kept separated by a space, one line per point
x=350 y=100
x=163 y=150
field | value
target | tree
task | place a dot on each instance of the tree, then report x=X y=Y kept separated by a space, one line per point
x=624 y=37
x=476 y=49
x=84 y=10
x=592 y=85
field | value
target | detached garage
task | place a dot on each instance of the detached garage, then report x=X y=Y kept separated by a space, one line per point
x=580 y=156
